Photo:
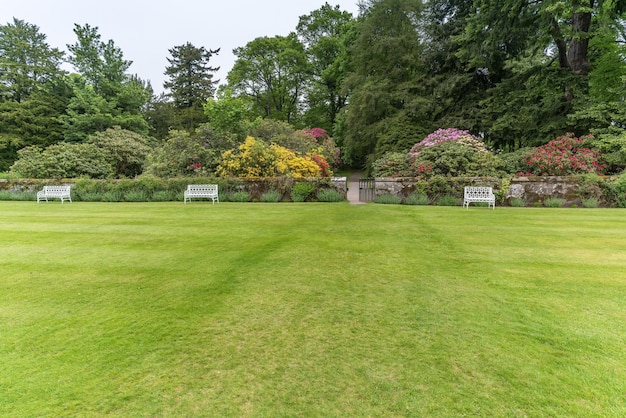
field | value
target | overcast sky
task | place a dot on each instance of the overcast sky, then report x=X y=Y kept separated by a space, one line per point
x=145 y=30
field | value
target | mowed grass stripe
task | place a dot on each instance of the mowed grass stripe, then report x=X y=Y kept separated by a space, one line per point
x=310 y=309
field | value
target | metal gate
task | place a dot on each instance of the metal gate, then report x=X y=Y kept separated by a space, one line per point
x=366 y=189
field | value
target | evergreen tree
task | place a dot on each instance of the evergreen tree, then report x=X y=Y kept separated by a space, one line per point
x=190 y=82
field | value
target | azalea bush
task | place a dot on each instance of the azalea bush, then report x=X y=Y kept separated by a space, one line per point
x=255 y=158
x=564 y=156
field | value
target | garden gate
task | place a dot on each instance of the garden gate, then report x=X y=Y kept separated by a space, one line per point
x=366 y=189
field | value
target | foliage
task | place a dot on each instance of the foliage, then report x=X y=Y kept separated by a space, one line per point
x=590 y=202
x=554 y=202
x=63 y=160
x=418 y=199
x=324 y=33
x=126 y=150
x=239 y=196
x=447 y=200
x=612 y=150
x=449 y=152
x=301 y=191
x=387 y=199
x=272 y=196
x=396 y=164
x=228 y=114
x=451 y=158
x=329 y=195
x=563 y=156
x=388 y=103
x=517 y=202
x=449 y=135
x=190 y=75
x=512 y=162
x=502 y=191
x=254 y=158
x=617 y=188
x=272 y=73
x=184 y=153
x=190 y=83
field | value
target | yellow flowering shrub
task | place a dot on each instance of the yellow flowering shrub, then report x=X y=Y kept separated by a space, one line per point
x=254 y=158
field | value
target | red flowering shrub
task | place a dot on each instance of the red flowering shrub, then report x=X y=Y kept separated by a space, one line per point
x=563 y=156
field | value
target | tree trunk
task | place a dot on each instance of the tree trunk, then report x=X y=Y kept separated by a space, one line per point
x=579 y=44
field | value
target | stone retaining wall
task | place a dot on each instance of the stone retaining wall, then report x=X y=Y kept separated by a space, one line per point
x=531 y=189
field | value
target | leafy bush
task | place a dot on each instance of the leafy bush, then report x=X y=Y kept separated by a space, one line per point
x=17 y=196
x=63 y=160
x=512 y=162
x=563 y=156
x=417 y=199
x=554 y=202
x=136 y=196
x=301 y=191
x=239 y=196
x=90 y=197
x=618 y=190
x=612 y=149
x=126 y=150
x=112 y=196
x=272 y=196
x=517 y=202
x=448 y=200
x=387 y=199
x=455 y=135
x=591 y=202
x=254 y=159
x=457 y=159
x=329 y=195
x=397 y=164
x=163 y=196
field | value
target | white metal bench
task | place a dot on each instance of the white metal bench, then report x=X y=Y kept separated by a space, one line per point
x=479 y=194
x=54 y=192
x=206 y=191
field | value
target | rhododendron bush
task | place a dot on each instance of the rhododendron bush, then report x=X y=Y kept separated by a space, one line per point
x=563 y=156
x=449 y=135
x=447 y=152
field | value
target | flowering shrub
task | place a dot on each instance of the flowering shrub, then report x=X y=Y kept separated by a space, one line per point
x=397 y=164
x=563 y=156
x=447 y=135
x=451 y=158
x=254 y=158
x=328 y=149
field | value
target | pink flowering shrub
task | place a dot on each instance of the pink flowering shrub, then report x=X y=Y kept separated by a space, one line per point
x=563 y=156
x=447 y=135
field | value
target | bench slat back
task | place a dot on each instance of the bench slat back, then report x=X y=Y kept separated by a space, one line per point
x=202 y=188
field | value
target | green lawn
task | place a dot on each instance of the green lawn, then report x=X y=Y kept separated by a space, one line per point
x=314 y=310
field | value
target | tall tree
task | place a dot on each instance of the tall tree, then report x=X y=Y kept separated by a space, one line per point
x=27 y=62
x=540 y=55
x=324 y=34
x=101 y=64
x=190 y=75
x=190 y=83
x=388 y=104
x=105 y=95
x=32 y=91
x=273 y=72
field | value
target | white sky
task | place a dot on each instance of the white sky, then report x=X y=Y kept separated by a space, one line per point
x=146 y=30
